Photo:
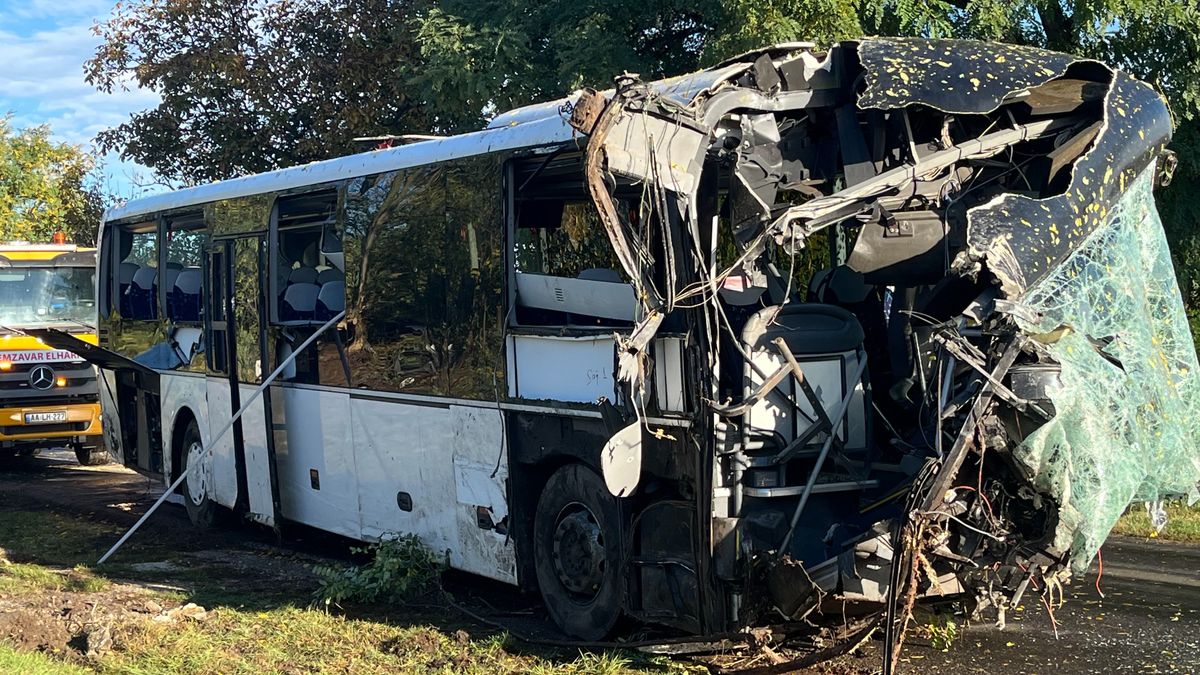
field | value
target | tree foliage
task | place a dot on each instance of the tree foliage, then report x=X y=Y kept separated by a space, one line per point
x=46 y=187
x=252 y=85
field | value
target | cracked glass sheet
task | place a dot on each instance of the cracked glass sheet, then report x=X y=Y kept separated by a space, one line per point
x=1119 y=434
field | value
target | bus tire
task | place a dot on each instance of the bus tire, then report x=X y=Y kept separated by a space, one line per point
x=91 y=455
x=578 y=553
x=202 y=510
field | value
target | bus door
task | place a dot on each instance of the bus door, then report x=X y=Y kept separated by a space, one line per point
x=238 y=364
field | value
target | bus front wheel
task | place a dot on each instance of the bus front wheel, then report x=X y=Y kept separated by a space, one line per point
x=578 y=553
x=197 y=487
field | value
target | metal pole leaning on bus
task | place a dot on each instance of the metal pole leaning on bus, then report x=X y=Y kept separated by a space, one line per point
x=224 y=430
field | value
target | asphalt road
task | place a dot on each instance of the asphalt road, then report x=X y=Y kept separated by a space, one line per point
x=1148 y=620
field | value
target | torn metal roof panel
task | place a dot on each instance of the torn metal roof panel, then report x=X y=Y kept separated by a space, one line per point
x=1023 y=238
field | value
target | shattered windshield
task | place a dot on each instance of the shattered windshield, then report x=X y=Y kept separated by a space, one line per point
x=36 y=296
x=1126 y=403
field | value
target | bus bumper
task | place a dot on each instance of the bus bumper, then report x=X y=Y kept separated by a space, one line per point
x=18 y=425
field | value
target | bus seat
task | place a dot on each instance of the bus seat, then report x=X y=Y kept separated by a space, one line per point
x=142 y=304
x=303 y=275
x=125 y=276
x=331 y=299
x=169 y=277
x=329 y=274
x=185 y=295
x=128 y=269
x=299 y=302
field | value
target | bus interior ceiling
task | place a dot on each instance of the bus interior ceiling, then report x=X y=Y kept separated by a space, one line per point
x=900 y=387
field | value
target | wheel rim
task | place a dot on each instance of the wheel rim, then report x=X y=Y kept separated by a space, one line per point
x=197 y=480
x=578 y=551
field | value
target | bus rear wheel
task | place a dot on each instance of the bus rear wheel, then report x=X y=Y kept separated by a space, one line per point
x=578 y=553
x=91 y=455
x=202 y=510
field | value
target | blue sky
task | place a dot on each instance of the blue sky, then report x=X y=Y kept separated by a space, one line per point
x=43 y=45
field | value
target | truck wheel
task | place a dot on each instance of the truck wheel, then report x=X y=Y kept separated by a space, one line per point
x=578 y=553
x=91 y=455
x=197 y=488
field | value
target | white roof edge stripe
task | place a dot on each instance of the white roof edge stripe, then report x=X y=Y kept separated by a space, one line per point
x=546 y=131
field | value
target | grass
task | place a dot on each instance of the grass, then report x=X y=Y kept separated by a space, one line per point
x=21 y=578
x=294 y=639
x=53 y=538
x=1183 y=523
x=254 y=625
x=27 y=663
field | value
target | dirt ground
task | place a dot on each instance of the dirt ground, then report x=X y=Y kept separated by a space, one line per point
x=238 y=600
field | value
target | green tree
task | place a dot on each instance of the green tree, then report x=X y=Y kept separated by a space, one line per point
x=46 y=187
x=252 y=85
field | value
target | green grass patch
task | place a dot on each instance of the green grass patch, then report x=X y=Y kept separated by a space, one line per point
x=54 y=539
x=27 y=663
x=284 y=639
x=263 y=624
x=1183 y=523
x=22 y=578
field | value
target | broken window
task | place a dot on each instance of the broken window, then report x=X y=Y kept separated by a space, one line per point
x=137 y=270
x=1125 y=395
x=310 y=287
x=183 y=278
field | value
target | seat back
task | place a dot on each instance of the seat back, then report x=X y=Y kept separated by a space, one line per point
x=331 y=300
x=299 y=302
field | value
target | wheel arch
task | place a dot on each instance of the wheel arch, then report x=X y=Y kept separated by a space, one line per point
x=183 y=417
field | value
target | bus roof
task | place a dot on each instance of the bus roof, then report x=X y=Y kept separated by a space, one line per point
x=550 y=130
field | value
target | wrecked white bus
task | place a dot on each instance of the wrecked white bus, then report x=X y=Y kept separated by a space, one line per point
x=582 y=350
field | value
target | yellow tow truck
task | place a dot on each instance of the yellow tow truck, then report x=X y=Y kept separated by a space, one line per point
x=48 y=397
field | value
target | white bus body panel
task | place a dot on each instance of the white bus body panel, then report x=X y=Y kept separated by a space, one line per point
x=402 y=447
x=224 y=468
x=578 y=369
x=480 y=479
x=405 y=447
x=177 y=392
x=314 y=433
x=258 y=459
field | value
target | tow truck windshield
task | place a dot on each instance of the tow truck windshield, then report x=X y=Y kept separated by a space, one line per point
x=40 y=296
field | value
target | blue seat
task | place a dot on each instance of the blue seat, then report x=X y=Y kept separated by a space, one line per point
x=299 y=303
x=331 y=300
x=142 y=294
x=184 y=298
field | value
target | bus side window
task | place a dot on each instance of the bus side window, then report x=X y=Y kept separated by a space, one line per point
x=310 y=286
x=137 y=271
x=426 y=279
x=183 y=279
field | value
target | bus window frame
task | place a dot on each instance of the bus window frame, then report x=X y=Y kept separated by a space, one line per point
x=165 y=222
x=274 y=291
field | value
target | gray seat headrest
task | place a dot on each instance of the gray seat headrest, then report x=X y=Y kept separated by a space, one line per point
x=189 y=281
x=330 y=274
x=302 y=297
x=303 y=275
x=145 y=277
x=333 y=296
